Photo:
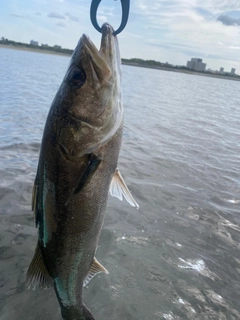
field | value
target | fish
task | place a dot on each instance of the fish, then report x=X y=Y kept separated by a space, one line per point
x=77 y=169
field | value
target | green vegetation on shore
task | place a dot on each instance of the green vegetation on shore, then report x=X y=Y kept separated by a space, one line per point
x=36 y=47
x=133 y=61
x=166 y=66
x=151 y=64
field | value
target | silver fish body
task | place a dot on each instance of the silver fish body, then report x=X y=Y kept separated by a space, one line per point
x=77 y=162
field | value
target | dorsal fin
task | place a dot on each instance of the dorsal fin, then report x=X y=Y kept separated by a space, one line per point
x=119 y=189
x=96 y=268
x=37 y=274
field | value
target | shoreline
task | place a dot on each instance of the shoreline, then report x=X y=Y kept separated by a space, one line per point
x=182 y=71
x=45 y=51
x=133 y=64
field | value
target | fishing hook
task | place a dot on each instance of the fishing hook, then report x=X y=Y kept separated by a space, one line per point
x=125 y=14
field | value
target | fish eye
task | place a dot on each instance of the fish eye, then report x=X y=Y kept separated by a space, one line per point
x=76 y=77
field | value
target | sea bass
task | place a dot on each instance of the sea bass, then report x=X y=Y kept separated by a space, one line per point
x=77 y=169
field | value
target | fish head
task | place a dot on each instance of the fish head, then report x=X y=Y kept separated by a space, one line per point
x=91 y=90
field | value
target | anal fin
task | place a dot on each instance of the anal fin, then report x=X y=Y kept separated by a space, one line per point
x=37 y=274
x=119 y=189
x=96 y=268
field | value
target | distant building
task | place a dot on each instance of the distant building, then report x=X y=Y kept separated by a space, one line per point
x=233 y=71
x=44 y=45
x=34 y=43
x=167 y=65
x=221 y=70
x=196 y=64
x=57 y=47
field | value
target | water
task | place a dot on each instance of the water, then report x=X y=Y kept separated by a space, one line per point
x=177 y=257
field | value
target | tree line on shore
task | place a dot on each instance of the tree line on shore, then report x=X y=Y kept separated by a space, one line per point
x=141 y=62
x=132 y=61
x=32 y=46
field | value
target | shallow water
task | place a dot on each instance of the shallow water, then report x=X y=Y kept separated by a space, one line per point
x=177 y=257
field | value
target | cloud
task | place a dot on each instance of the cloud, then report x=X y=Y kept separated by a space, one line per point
x=206 y=8
x=71 y=17
x=67 y=16
x=61 y=24
x=56 y=15
x=102 y=18
x=133 y=35
x=189 y=24
x=17 y=15
x=108 y=11
x=228 y=21
x=235 y=47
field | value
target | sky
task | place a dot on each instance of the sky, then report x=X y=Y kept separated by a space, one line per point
x=172 y=31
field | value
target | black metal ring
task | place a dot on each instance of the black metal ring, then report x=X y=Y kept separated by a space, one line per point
x=125 y=14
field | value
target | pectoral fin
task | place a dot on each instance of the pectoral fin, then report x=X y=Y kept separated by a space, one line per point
x=37 y=274
x=91 y=167
x=119 y=189
x=93 y=163
x=96 y=268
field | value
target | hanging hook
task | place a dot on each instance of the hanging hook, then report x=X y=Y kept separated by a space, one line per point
x=125 y=14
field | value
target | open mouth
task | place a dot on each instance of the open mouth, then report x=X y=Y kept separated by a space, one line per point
x=107 y=41
x=103 y=60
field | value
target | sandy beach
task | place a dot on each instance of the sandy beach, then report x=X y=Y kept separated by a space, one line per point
x=11 y=47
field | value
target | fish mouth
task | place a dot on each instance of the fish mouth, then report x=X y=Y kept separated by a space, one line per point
x=107 y=39
x=88 y=45
x=108 y=44
x=100 y=69
x=108 y=57
x=109 y=49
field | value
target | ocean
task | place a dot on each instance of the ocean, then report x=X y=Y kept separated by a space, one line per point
x=178 y=256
